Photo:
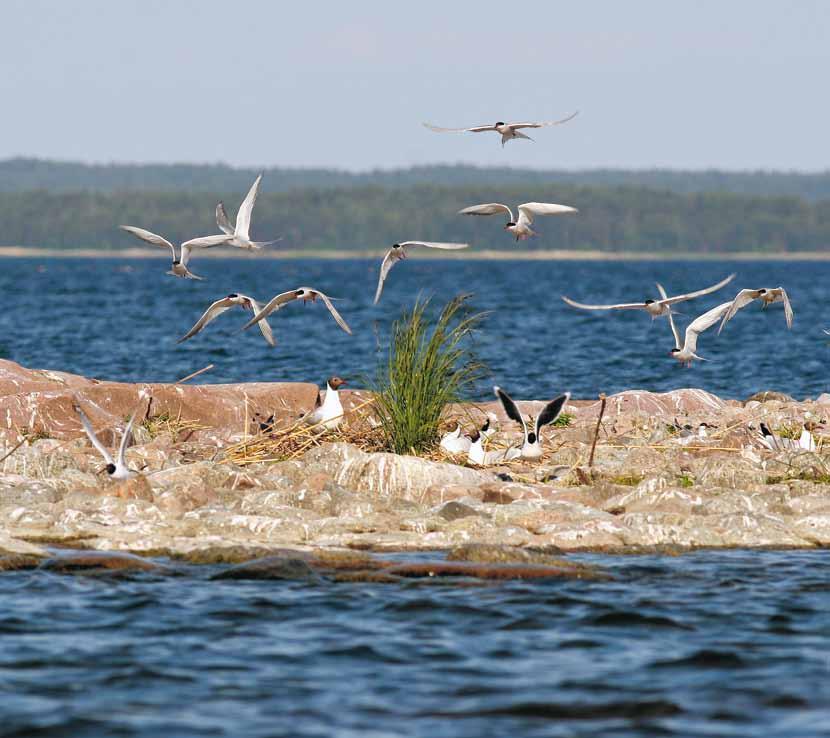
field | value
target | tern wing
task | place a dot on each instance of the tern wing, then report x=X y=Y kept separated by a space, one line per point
x=334 y=314
x=206 y=242
x=474 y=129
x=125 y=439
x=551 y=411
x=264 y=326
x=435 y=245
x=544 y=124
x=213 y=312
x=243 y=217
x=621 y=306
x=510 y=408
x=702 y=323
x=90 y=433
x=222 y=219
x=488 y=208
x=742 y=299
x=393 y=256
x=698 y=293
x=672 y=324
x=788 y=309
x=150 y=237
x=274 y=304
x=528 y=210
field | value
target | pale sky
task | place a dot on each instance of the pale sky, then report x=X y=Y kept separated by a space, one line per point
x=732 y=84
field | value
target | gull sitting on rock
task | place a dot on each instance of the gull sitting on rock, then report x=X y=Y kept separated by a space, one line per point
x=328 y=414
x=532 y=445
x=477 y=454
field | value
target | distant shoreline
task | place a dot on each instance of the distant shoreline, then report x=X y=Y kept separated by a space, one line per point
x=20 y=252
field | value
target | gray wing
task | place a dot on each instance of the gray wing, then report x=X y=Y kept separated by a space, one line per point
x=702 y=323
x=203 y=242
x=672 y=324
x=545 y=124
x=530 y=209
x=243 y=217
x=213 y=312
x=222 y=219
x=621 y=306
x=125 y=439
x=698 y=293
x=263 y=324
x=742 y=299
x=274 y=304
x=487 y=208
x=435 y=245
x=339 y=318
x=474 y=129
x=788 y=309
x=393 y=256
x=90 y=433
x=150 y=237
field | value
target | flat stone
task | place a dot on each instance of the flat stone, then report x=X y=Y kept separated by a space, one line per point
x=491 y=571
x=271 y=567
x=84 y=561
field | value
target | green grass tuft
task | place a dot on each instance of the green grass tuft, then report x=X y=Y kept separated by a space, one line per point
x=563 y=421
x=430 y=365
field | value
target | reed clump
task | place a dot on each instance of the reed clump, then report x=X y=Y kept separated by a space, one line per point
x=430 y=365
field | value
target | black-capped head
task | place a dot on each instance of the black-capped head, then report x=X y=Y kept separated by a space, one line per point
x=299 y=293
x=674 y=351
x=510 y=224
x=762 y=291
x=232 y=295
x=335 y=382
x=396 y=245
x=765 y=430
x=176 y=262
x=110 y=469
x=649 y=302
x=475 y=436
x=500 y=123
x=486 y=425
x=531 y=437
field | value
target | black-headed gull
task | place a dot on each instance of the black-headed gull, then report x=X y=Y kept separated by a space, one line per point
x=532 y=444
x=508 y=131
x=477 y=455
x=654 y=308
x=455 y=442
x=399 y=252
x=328 y=414
x=226 y=303
x=306 y=294
x=527 y=211
x=179 y=267
x=240 y=233
x=774 y=442
x=767 y=296
x=116 y=468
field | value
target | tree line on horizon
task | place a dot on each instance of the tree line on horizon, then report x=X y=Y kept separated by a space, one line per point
x=26 y=174
x=612 y=219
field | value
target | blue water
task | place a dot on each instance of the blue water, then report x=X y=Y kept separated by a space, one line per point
x=707 y=644
x=119 y=319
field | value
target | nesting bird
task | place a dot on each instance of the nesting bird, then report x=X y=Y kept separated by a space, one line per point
x=328 y=414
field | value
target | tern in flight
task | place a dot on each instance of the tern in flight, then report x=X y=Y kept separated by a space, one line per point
x=519 y=228
x=306 y=294
x=116 y=468
x=685 y=352
x=399 y=252
x=179 y=267
x=654 y=308
x=767 y=296
x=226 y=303
x=532 y=445
x=240 y=233
x=508 y=131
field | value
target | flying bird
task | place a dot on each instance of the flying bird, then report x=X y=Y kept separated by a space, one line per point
x=399 y=252
x=532 y=445
x=519 y=228
x=508 y=131
x=654 y=308
x=116 y=468
x=179 y=267
x=240 y=233
x=685 y=352
x=306 y=294
x=767 y=296
x=224 y=304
